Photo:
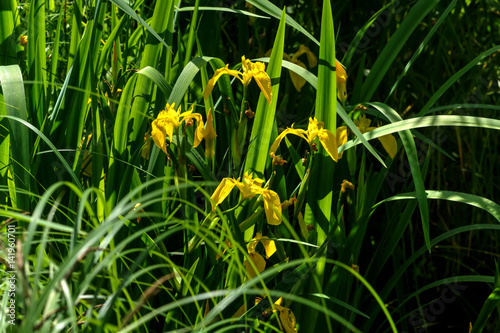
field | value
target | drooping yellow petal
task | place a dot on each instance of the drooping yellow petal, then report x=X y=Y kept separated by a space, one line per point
x=269 y=246
x=311 y=58
x=259 y=263
x=272 y=207
x=288 y=320
x=222 y=191
x=329 y=142
x=264 y=82
x=218 y=73
x=341 y=135
x=281 y=136
x=200 y=128
x=209 y=135
x=287 y=317
x=297 y=80
x=161 y=128
x=341 y=82
x=390 y=144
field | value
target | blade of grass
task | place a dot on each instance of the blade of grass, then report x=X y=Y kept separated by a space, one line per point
x=37 y=62
x=413 y=160
x=272 y=10
x=489 y=306
x=428 y=121
x=454 y=78
x=11 y=80
x=258 y=149
x=319 y=196
x=7 y=34
x=391 y=50
x=150 y=56
x=127 y=9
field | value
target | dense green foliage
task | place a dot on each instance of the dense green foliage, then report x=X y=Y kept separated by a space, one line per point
x=121 y=215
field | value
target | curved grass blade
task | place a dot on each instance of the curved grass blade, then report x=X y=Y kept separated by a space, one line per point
x=454 y=78
x=11 y=81
x=127 y=9
x=466 y=121
x=418 y=180
x=51 y=146
x=394 y=46
x=154 y=75
x=489 y=306
x=272 y=10
x=222 y=9
x=470 y=199
x=422 y=45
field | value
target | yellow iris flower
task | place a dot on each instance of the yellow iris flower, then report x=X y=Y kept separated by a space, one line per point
x=250 y=187
x=250 y=70
x=341 y=82
x=297 y=80
x=363 y=124
x=170 y=120
x=287 y=317
x=256 y=258
x=315 y=129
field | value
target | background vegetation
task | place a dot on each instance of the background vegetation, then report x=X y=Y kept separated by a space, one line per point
x=114 y=235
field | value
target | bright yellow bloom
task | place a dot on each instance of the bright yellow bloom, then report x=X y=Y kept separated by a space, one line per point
x=170 y=120
x=249 y=188
x=222 y=191
x=363 y=124
x=250 y=70
x=209 y=135
x=287 y=317
x=297 y=80
x=341 y=82
x=315 y=129
x=256 y=258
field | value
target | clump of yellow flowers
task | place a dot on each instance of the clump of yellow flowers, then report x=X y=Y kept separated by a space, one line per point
x=170 y=120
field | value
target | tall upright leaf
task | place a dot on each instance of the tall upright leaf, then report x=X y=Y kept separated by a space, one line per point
x=37 y=64
x=12 y=84
x=319 y=196
x=258 y=150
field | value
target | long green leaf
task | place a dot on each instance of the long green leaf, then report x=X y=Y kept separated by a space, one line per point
x=454 y=78
x=37 y=62
x=466 y=121
x=489 y=306
x=394 y=46
x=411 y=153
x=258 y=149
x=272 y=10
x=127 y=9
x=466 y=198
x=319 y=196
x=11 y=80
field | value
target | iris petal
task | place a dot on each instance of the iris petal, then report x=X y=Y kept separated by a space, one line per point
x=329 y=142
x=222 y=191
x=272 y=207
